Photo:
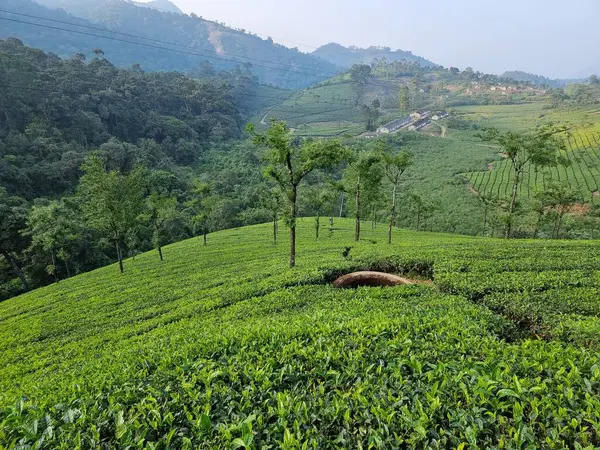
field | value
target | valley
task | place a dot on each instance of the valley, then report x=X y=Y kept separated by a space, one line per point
x=212 y=240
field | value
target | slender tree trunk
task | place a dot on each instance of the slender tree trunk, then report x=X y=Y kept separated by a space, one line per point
x=317 y=225
x=342 y=205
x=357 y=202
x=485 y=214
x=293 y=212
x=67 y=268
x=160 y=252
x=559 y=224
x=392 y=215
x=274 y=230
x=17 y=269
x=119 y=255
x=54 y=266
x=205 y=236
x=538 y=225
x=513 y=203
x=373 y=219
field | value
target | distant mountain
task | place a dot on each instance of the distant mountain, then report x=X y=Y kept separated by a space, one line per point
x=162 y=5
x=347 y=56
x=538 y=80
x=191 y=40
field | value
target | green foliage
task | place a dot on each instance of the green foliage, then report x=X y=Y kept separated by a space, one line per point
x=112 y=201
x=230 y=349
x=289 y=163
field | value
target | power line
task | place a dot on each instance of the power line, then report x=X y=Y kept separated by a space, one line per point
x=105 y=30
x=321 y=74
x=84 y=33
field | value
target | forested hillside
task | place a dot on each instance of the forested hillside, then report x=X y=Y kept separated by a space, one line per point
x=55 y=114
x=156 y=40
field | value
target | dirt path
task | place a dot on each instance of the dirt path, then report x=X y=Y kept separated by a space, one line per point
x=444 y=130
x=263 y=121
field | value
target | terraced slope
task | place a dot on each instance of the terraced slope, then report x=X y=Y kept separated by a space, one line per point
x=224 y=347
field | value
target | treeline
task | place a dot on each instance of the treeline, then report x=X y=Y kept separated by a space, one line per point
x=577 y=94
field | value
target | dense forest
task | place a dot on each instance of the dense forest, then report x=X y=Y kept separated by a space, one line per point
x=55 y=114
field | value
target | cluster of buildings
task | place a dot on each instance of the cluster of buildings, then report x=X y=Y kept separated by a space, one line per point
x=414 y=122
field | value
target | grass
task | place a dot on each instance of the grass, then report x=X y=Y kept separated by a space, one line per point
x=223 y=346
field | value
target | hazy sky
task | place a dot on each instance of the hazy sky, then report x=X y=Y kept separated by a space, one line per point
x=556 y=38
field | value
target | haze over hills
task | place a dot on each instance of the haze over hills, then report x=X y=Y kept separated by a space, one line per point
x=168 y=41
x=347 y=56
x=190 y=40
x=538 y=80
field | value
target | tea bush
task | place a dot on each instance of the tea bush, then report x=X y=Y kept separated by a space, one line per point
x=223 y=346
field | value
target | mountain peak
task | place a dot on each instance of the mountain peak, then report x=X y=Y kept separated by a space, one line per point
x=162 y=5
x=347 y=56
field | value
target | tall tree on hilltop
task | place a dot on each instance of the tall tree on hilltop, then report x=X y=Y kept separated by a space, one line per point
x=395 y=164
x=288 y=163
x=539 y=148
x=112 y=201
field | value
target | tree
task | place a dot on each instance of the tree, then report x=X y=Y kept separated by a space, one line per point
x=160 y=210
x=54 y=228
x=488 y=202
x=404 y=99
x=200 y=203
x=319 y=198
x=539 y=148
x=559 y=198
x=594 y=80
x=371 y=114
x=360 y=73
x=395 y=165
x=362 y=179
x=288 y=163
x=13 y=219
x=112 y=201
x=272 y=201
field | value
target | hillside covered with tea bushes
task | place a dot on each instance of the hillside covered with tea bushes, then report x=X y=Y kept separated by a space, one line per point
x=223 y=346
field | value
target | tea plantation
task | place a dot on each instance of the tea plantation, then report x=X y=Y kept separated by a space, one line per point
x=222 y=346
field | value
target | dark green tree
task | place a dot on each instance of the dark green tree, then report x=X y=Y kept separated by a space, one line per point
x=160 y=209
x=395 y=164
x=362 y=179
x=112 y=201
x=13 y=219
x=536 y=149
x=289 y=162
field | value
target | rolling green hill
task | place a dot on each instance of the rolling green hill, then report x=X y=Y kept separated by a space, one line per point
x=222 y=346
